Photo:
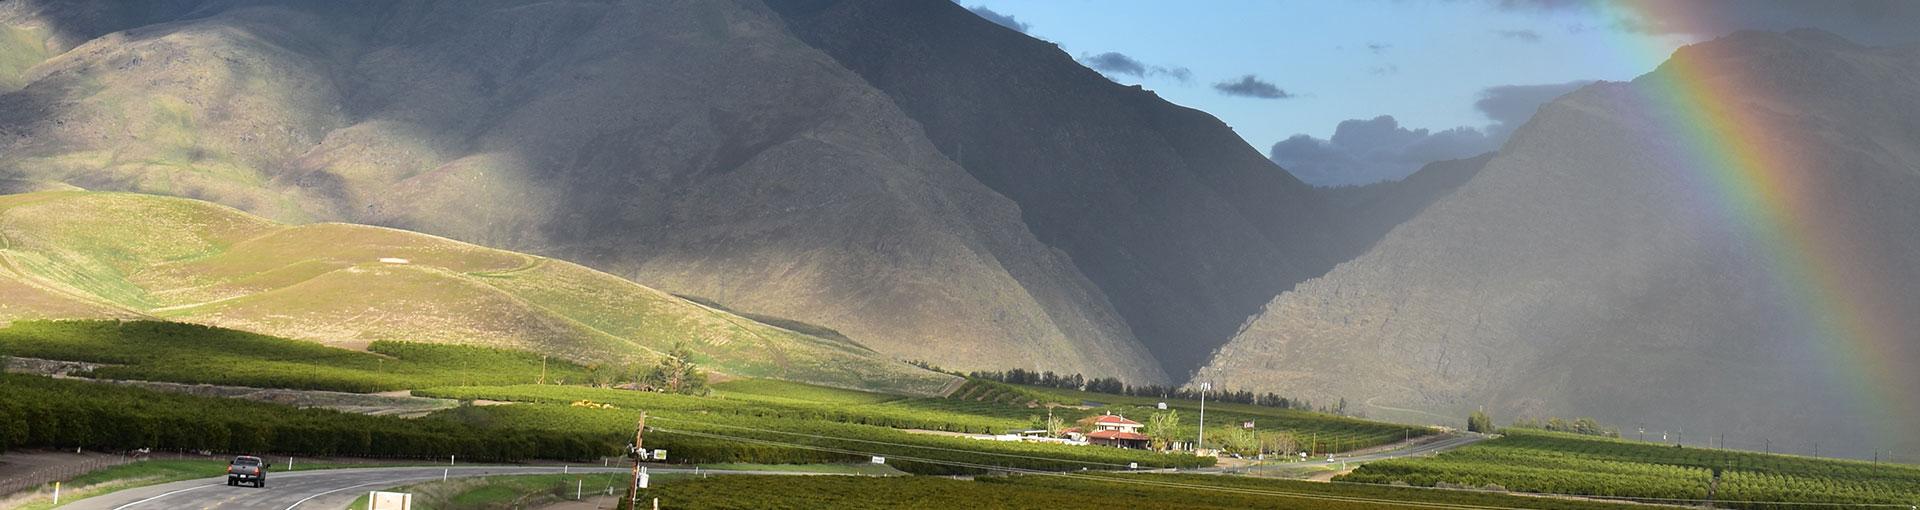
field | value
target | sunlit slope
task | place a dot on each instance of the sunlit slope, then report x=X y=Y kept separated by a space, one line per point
x=83 y=255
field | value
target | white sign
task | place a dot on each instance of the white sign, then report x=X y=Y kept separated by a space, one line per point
x=879 y=460
x=659 y=455
x=1163 y=406
x=643 y=478
x=377 y=500
x=1133 y=465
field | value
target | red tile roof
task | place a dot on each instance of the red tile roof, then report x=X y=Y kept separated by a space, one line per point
x=1108 y=418
x=1115 y=434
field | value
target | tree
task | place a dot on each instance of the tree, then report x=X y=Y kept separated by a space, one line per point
x=600 y=375
x=1163 y=428
x=1479 y=422
x=1238 y=440
x=1279 y=442
x=676 y=373
x=1054 y=425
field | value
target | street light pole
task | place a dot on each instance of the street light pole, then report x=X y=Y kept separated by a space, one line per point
x=1202 y=443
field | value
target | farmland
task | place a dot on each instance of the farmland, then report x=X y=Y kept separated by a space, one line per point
x=189 y=353
x=1104 y=491
x=1548 y=462
x=54 y=413
x=1318 y=432
x=685 y=425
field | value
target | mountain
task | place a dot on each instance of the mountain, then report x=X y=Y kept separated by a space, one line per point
x=75 y=255
x=1185 y=228
x=1725 y=245
x=707 y=149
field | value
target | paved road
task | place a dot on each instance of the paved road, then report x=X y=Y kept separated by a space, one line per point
x=1426 y=447
x=330 y=489
x=1434 y=446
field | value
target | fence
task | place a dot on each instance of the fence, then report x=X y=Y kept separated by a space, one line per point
x=42 y=479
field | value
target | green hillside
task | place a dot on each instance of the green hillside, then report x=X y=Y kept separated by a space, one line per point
x=70 y=254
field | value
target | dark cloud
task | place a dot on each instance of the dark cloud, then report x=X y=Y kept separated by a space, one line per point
x=1364 y=151
x=1373 y=150
x=1522 y=35
x=1864 y=21
x=1114 y=64
x=1509 y=106
x=1004 y=20
x=1251 y=86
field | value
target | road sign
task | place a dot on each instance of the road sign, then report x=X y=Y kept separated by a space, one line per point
x=378 y=500
x=642 y=480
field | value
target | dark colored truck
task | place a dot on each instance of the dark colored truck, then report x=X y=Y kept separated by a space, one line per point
x=247 y=470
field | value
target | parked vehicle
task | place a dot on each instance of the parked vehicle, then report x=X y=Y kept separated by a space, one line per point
x=248 y=470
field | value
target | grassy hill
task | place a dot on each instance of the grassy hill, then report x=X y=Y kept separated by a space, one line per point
x=70 y=254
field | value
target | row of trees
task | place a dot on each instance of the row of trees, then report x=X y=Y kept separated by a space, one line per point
x=38 y=412
x=674 y=373
x=1114 y=386
x=1585 y=426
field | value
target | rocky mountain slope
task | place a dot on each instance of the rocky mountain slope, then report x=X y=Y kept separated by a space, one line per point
x=76 y=255
x=702 y=148
x=1186 y=228
x=1599 y=266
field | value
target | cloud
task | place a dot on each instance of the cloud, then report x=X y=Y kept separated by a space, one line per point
x=1363 y=151
x=1509 y=106
x=1522 y=35
x=1378 y=48
x=1251 y=86
x=1864 y=21
x=1004 y=20
x=1114 y=64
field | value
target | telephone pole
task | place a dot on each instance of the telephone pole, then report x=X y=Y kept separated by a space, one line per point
x=633 y=490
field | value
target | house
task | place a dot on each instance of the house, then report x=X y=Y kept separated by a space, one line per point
x=1111 y=430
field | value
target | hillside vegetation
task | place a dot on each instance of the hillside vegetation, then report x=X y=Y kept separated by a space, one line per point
x=116 y=255
x=1559 y=463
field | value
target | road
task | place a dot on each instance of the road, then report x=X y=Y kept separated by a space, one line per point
x=332 y=489
x=1423 y=447
x=1434 y=446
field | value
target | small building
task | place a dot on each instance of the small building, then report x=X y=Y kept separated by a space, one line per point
x=1111 y=430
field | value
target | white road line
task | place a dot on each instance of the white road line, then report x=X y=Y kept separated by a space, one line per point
x=310 y=498
x=121 y=507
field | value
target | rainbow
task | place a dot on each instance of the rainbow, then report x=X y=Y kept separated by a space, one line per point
x=1755 y=170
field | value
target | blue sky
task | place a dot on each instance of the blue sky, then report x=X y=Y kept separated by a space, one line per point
x=1329 y=68
x=1425 y=63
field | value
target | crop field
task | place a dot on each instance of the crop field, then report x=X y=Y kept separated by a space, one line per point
x=1548 y=462
x=1322 y=433
x=188 y=353
x=871 y=428
x=1201 y=492
x=43 y=412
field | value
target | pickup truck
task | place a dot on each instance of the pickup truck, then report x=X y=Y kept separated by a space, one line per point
x=248 y=470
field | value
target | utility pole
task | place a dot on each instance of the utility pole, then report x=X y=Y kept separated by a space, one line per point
x=1816 y=449
x=1769 y=449
x=543 y=369
x=633 y=491
x=1202 y=443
